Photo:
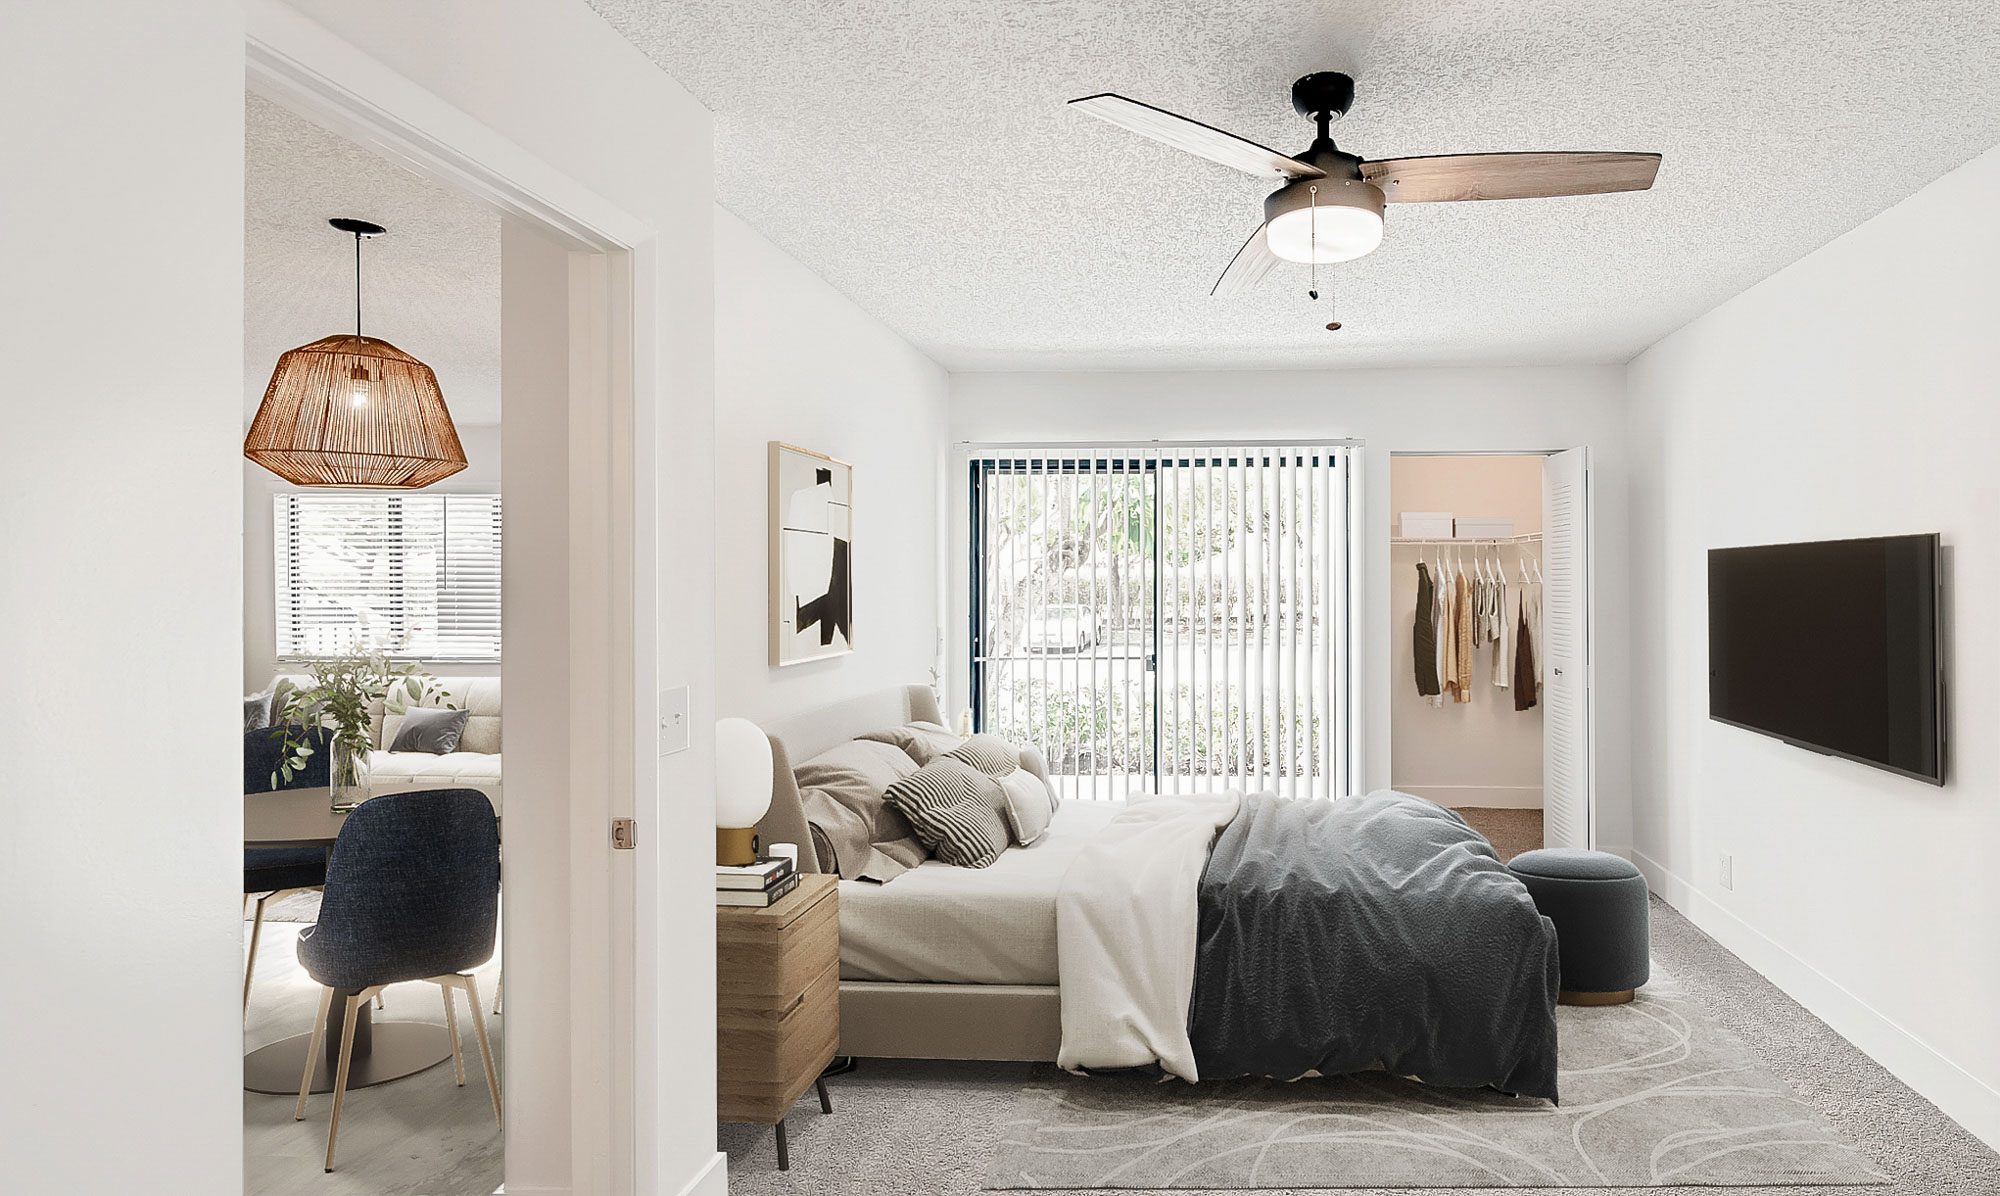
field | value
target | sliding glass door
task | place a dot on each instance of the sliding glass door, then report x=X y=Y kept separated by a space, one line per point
x=1166 y=618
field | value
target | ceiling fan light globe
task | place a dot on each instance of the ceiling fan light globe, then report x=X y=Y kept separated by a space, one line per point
x=1323 y=220
x=1324 y=236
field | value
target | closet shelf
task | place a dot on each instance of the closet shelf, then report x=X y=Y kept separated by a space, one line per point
x=1530 y=538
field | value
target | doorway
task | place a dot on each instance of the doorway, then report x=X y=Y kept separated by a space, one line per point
x=581 y=603
x=1489 y=608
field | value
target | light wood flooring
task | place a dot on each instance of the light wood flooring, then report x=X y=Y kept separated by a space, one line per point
x=418 y=1136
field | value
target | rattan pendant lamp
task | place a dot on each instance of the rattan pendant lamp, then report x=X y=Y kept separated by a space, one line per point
x=354 y=410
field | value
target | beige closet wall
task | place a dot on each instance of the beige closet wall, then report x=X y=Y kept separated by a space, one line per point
x=1483 y=753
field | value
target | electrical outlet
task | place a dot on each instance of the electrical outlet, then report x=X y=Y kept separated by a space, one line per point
x=673 y=720
x=1727 y=872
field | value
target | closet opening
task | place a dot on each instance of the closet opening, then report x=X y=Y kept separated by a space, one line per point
x=1489 y=600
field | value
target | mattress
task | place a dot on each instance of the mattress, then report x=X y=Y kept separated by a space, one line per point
x=992 y=925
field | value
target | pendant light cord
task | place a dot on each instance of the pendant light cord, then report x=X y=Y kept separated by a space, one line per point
x=357 y=286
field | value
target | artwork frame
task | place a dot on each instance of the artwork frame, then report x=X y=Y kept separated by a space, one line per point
x=811 y=579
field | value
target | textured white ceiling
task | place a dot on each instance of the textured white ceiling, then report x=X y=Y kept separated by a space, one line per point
x=431 y=286
x=916 y=153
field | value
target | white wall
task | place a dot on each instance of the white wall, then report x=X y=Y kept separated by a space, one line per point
x=121 y=322
x=1483 y=752
x=1851 y=394
x=1523 y=409
x=481 y=475
x=797 y=361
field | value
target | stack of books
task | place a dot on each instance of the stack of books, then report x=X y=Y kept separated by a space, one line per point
x=756 y=884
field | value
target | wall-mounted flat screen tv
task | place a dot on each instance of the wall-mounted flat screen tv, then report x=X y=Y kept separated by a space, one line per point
x=1832 y=646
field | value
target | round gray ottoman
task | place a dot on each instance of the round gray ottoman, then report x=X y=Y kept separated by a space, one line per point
x=1598 y=903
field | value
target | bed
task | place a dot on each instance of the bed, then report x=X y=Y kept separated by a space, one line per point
x=996 y=1001
x=1205 y=935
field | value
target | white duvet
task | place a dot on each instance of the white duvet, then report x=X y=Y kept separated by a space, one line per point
x=1127 y=920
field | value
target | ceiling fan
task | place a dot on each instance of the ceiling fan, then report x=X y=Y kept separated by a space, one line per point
x=1330 y=206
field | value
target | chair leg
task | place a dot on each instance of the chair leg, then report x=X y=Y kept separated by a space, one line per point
x=451 y=1027
x=378 y=999
x=250 y=966
x=825 y=1101
x=312 y=1052
x=485 y=1048
x=497 y=984
x=354 y=1004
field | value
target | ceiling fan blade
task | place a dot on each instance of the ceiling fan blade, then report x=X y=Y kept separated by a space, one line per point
x=1196 y=138
x=1248 y=267
x=1509 y=176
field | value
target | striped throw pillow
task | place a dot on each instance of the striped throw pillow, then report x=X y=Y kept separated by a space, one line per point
x=989 y=754
x=955 y=809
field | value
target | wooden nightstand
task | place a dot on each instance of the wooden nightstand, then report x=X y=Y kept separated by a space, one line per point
x=777 y=1004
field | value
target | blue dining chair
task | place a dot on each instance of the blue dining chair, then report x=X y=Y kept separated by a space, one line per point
x=274 y=872
x=412 y=893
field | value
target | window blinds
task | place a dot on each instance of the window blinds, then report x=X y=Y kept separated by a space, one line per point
x=415 y=575
x=1167 y=617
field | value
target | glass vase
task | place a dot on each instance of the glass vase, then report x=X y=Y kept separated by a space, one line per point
x=347 y=777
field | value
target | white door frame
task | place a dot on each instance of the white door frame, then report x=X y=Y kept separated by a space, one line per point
x=1589 y=597
x=616 y=372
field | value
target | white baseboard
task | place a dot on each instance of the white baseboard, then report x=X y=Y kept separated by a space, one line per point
x=711 y=1180
x=1962 y=1096
x=1484 y=797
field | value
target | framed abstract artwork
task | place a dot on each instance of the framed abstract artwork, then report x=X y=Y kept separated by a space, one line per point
x=812 y=534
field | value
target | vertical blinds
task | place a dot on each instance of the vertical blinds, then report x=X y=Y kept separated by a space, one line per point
x=1166 y=617
x=414 y=575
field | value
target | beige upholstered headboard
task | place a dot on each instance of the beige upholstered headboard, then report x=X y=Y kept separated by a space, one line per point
x=805 y=735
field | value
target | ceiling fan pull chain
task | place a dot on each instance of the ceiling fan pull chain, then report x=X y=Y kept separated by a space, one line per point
x=1312 y=241
x=1332 y=302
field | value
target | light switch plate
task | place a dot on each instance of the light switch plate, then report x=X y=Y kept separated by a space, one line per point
x=1727 y=872
x=673 y=720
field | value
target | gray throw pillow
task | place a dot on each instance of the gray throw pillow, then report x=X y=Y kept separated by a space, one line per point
x=257 y=710
x=430 y=729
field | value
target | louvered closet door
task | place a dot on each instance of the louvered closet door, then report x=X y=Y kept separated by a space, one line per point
x=1565 y=650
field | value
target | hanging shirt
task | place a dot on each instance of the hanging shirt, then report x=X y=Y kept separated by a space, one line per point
x=1464 y=661
x=1423 y=634
x=1448 y=640
x=1503 y=641
x=1532 y=602
x=1525 y=665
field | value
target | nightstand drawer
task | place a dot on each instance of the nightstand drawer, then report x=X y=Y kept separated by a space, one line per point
x=773 y=960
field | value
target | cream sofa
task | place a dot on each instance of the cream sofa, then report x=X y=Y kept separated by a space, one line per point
x=476 y=763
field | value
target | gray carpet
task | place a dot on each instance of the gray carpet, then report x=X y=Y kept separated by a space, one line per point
x=1654 y=1093
x=921 y=1128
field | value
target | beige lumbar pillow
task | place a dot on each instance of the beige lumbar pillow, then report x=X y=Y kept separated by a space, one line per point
x=955 y=809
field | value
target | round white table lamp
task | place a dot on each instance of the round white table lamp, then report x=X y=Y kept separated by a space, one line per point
x=742 y=788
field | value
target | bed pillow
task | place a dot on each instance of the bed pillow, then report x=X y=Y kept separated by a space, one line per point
x=955 y=809
x=1031 y=801
x=856 y=834
x=924 y=742
x=989 y=754
x=1029 y=807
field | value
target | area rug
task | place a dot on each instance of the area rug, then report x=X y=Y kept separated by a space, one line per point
x=1654 y=1094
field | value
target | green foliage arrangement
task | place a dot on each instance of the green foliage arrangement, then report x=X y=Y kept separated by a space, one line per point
x=343 y=689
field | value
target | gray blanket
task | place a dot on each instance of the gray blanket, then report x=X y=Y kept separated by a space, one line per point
x=1338 y=935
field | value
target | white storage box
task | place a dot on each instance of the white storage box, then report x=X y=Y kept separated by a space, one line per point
x=1486 y=529
x=1427 y=525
